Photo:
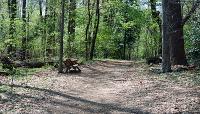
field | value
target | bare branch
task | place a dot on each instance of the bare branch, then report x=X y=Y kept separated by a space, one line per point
x=193 y=9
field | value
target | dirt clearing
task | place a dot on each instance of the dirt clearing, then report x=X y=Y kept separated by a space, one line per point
x=103 y=87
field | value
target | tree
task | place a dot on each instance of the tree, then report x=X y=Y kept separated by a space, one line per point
x=176 y=23
x=156 y=18
x=166 y=64
x=71 y=26
x=12 y=8
x=40 y=7
x=50 y=19
x=24 y=30
x=96 y=26
x=60 y=70
x=87 y=48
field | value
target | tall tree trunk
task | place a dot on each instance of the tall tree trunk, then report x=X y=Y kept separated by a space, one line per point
x=87 y=31
x=124 y=42
x=12 y=7
x=44 y=39
x=41 y=27
x=71 y=26
x=156 y=18
x=24 y=45
x=166 y=64
x=96 y=27
x=178 y=56
x=60 y=70
x=40 y=5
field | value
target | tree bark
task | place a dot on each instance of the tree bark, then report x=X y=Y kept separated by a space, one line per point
x=24 y=45
x=87 y=32
x=166 y=64
x=124 y=42
x=178 y=56
x=96 y=27
x=44 y=35
x=60 y=70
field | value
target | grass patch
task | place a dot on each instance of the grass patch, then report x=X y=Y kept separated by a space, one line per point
x=27 y=72
x=20 y=73
x=4 y=89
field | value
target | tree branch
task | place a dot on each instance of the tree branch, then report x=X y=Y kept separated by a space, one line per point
x=193 y=9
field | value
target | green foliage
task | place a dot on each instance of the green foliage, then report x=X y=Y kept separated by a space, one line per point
x=192 y=31
x=3 y=88
x=148 y=43
x=122 y=23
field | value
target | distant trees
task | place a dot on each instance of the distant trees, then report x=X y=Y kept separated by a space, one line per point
x=92 y=27
x=12 y=9
x=24 y=38
x=71 y=26
x=156 y=17
x=95 y=31
x=116 y=29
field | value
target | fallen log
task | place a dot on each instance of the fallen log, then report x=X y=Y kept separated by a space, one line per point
x=31 y=64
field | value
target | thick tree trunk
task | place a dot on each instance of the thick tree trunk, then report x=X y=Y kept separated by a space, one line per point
x=60 y=70
x=178 y=56
x=96 y=27
x=71 y=26
x=166 y=64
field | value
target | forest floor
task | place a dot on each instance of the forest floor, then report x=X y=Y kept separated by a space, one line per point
x=103 y=87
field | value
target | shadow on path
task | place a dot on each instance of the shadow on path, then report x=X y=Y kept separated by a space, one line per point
x=102 y=107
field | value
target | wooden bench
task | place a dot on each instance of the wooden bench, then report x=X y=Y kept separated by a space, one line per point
x=71 y=65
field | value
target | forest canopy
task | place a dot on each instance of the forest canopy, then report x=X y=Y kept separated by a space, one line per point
x=114 y=29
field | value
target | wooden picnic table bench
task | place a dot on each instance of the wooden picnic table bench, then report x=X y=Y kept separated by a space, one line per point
x=71 y=65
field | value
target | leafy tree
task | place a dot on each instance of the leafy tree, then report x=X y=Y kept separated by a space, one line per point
x=71 y=26
x=95 y=31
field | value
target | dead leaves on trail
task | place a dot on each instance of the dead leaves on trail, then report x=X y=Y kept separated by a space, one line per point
x=106 y=87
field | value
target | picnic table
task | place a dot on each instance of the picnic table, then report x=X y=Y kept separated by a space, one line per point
x=71 y=65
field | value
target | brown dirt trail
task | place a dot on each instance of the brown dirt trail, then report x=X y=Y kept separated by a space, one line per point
x=103 y=87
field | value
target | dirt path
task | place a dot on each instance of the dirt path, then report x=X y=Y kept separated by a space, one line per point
x=106 y=87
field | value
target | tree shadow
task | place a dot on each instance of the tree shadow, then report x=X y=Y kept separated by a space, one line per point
x=102 y=107
x=111 y=64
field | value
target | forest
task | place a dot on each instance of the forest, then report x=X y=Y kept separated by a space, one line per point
x=99 y=56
